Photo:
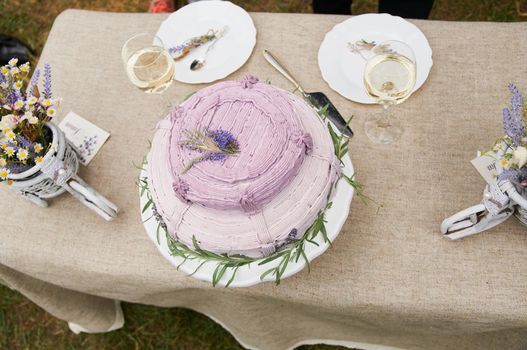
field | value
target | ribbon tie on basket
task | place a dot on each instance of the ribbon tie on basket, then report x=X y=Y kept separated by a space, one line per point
x=55 y=169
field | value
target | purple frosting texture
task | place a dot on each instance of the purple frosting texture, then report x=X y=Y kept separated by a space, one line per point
x=272 y=144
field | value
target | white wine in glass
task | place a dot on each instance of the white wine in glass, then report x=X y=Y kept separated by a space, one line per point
x=389 y=78
x=148 y=66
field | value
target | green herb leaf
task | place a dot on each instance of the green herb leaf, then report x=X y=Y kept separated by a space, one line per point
x=147 y=205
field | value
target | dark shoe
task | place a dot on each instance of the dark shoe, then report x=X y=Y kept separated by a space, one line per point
x=12 y=48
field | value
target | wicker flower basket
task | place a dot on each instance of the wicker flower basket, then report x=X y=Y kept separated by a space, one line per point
x=58 y=173
x=516 y=193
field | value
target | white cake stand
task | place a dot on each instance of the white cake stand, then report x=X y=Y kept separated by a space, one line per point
x=249 y=275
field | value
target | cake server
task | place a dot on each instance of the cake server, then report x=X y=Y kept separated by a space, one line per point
x=317 y=99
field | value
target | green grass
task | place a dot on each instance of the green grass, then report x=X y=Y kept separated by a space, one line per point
x=23 y=325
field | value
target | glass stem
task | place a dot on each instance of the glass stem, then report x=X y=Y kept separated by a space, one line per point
x=384 y=120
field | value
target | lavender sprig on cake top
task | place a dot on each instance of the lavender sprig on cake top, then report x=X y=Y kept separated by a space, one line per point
x=213 y=145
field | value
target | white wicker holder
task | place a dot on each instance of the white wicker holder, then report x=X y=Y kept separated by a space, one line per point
x=501 y=199
x=517 y=194
x=58 y=173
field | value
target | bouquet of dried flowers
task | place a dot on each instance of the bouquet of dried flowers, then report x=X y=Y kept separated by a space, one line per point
x=24 y=111
x=511 y=149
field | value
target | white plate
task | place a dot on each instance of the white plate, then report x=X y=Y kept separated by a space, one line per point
x=249 y=275
x=343 y=70
x=229 y=53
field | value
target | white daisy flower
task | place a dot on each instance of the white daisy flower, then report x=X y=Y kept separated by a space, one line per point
x=25 y=67
x=15 y=70
x=4 y=70
x=10 y=135
x=4 y=85
x=47 y=102
x=9 y=151
x=3 y=162
x=4 y=173
x=18 y=84
x=3 y=145
x=12 y=62
x=37 y=147
x=22 y=154
x=51 y=112
x=33 y=120
x=19 y=104
x=39 y=160
x=31 y=100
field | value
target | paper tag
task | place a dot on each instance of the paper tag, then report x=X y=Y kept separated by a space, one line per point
x=86 y=137
x=486 y=166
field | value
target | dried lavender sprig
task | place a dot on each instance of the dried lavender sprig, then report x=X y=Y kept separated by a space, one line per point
x=510 y=175
x=512 y=118
x=24 y=142
x=47 y=81
x=17 y=168
x=215 y=156
x=34 y=81
x=13 y=146
x=12 y=96
x=175 y=49
x=213 y=145
x=180 y=51
x=224 y=140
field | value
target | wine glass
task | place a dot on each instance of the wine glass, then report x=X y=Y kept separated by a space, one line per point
x=389 y=78
x=148 y=64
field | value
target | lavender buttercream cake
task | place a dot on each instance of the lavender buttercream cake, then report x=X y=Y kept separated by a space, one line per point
x=255 y=200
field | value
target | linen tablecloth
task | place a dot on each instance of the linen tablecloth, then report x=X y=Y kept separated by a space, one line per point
x=390 y=279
